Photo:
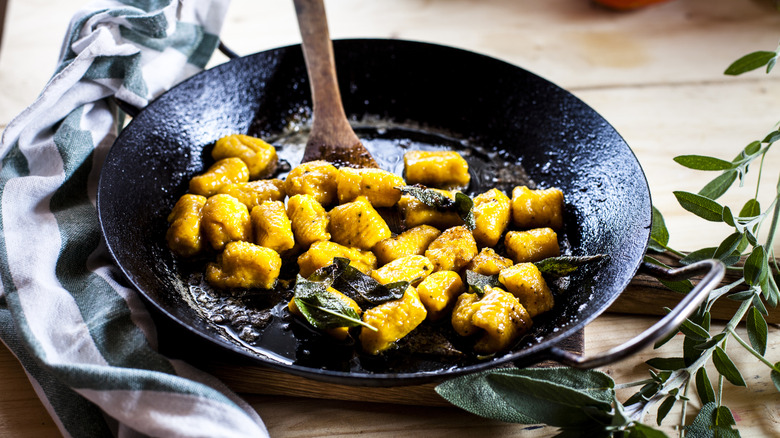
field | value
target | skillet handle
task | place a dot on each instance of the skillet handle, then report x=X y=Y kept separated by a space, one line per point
x=714 y=273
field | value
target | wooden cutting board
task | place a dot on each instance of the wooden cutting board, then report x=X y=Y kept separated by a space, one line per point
x=263 y=380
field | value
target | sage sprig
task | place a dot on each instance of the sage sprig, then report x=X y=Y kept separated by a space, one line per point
x=583 y=403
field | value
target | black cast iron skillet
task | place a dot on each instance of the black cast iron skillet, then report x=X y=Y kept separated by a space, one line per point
x=512 y=115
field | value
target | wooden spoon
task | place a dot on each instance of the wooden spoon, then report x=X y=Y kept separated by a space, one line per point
x=332 y=138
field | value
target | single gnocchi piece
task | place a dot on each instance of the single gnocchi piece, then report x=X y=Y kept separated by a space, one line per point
x=393 y=320
x=271 y=226
x=244 y=265
x=497 y=315
x=411 y=242
x=225 y=171
x=532 y=245
x=225 y=219
x=183 y=236
x=439 y=291
x=315 y=178
x=357 y=224
x=492 y=211
x=377 y=185
x=442 y=169
x=322 y=253
x=416 y=213
x=413 y=268
x=452 y=250
x=489 y=262
x=259 y=156
x=309 y=220
x=537 y=208
x=254 y=193
x=339 y=333
x=525 y=281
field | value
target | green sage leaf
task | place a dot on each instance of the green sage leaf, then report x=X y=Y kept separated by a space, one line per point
x=565 y=265
x=659 y=234
x=712 y=421
x=758 y=330
x=771 y=137
x=670 y=363
x=554 y=396
x=705 y=208
x=698 y=255
x=751 y=149
x=694 y=331
x=704 y=387
x=754 y=266
x=726 y=367
x=639 y=430
x=775 y=376
x=552 y=403
x=715 y=340
x=752 y=208
x=664 y=409
x=701 y=162
x=749 y=62
x=719 y=185
x=728 y=246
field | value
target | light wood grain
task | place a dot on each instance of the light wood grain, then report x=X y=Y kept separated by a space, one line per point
x=655 y=74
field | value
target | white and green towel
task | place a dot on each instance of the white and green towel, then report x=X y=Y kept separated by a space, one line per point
x=84 y=338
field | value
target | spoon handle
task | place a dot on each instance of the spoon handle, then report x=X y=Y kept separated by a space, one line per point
x=331 y=135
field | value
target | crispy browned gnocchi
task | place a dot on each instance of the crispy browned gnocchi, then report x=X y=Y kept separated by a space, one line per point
x=225 y=171
x=525 y=281
x=452 y=250
x=184 y=236
x=259 y=156
x=357 y=224
x=309 y=220
x=320 y=215
x=244 y=265
x=315 y=178
x=377 y=185
x=443 y=169
x=393 y=320
x=225 y=219
x=492 y=211
x=271 y=226
x=532 y=245
x=537 y=208
x=254 y=193
x=322 y=253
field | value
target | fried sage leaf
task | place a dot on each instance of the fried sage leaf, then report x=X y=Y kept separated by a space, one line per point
x=358 y=286
x=322 y=309
x=478 y=282
x=429 y=197
x=565 y=265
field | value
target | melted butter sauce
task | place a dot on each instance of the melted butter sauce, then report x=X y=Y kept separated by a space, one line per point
x=258 y=321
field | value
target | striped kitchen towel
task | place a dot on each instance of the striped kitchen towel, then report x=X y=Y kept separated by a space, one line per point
x=84 y=338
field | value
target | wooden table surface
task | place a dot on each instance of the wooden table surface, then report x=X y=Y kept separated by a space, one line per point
x=655 y=74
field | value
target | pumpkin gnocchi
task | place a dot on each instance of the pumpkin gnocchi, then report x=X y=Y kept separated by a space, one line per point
x=320 y=217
